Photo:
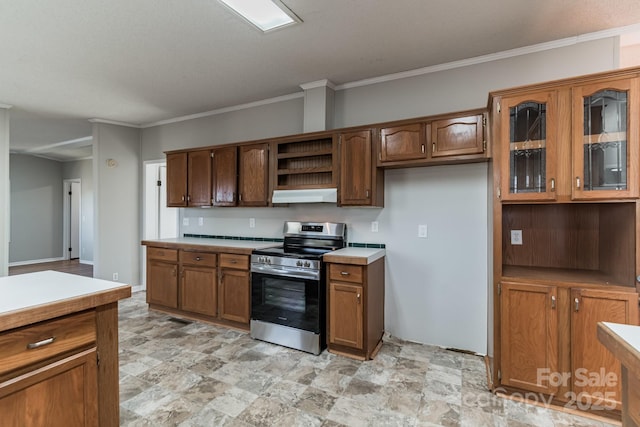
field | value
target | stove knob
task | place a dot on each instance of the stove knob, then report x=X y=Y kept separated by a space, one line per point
x=268 y=260
x=307 y=264
x=299 y=263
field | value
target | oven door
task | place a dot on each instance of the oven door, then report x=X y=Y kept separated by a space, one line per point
x=296 y=302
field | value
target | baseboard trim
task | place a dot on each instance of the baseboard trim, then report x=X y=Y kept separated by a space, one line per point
x=35 y=261
x=85 y=261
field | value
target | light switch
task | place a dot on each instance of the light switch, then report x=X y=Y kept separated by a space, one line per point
x=185 y=222
x=374 y=226
x=200 y=221
x=252 y=223
x=422 y=231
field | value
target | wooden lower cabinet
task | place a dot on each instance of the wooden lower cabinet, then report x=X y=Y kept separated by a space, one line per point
x=355 y=308
x=60 y=394
x=204 y=285
x=549 y=342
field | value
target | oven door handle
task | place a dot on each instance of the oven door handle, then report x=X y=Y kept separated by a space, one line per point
x=281 y=271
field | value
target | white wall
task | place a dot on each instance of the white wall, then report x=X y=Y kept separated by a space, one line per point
x=83 y=170
x=4 y=191
x=117 y=203
x=436 y=289
x=36 y=209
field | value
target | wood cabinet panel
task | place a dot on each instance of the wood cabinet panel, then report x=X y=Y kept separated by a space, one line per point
x=35 y=343
x=529 y=336
x=590 y=359
x=234 y=261
x=177 y=179
x=254 y=175
x=357 y=170
x=400 y=143
x=199 y=178
x=225 y=176
x=346 y=315
x=61 y=394
x=162 y=284
x=162 y=254
x=235 y=295
x=198 y=290
x=457 y=136
x=199 y=259
x=346 y=273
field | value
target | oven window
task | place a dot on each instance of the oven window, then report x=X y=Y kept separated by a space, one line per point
x=288 y=301
x=286 y=296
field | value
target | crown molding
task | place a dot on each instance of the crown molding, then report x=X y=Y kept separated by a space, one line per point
x=6 y=106
x=59 y=144
x=113 y=122
x=225 y=110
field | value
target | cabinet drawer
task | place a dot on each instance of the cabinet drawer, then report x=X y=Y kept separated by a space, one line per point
x=162 y=254
x=35 y=343
x=204 y=259
x=345 y=273
x=234 y=261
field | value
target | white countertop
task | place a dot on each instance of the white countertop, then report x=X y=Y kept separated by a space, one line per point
x=367 y=255
x=225 y=243
x=629 y=333
x=30 y=290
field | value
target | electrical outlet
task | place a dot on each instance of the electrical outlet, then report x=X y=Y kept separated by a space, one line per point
x=516 y=237
x=374 y=226
x=185 y=222
x=115 y=277
x=200 y=221
x=422 y=231
x=252 y=223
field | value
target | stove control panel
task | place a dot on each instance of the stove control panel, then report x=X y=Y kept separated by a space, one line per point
x=277 y=261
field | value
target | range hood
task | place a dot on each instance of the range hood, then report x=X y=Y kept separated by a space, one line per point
x=316 y=195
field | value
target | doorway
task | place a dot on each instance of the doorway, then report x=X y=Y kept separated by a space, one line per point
x=72 y=239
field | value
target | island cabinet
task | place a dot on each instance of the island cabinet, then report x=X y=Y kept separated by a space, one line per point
x=448 y=138
x=355 y=307
x=566 y=241
x=59 y=354
x=361 y=183
x=253 y=181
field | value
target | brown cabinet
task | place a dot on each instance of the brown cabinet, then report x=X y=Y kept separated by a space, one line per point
x=529 y=335
x=355 y=308
x=361 y=183
x=224 y=176
x=199 y=178
x=401 y=143
x=253 y=179
x=49 y=373
x=162 y=277
x=535 y=348
x=309 y=162
x=575 y=141
x=235 y=288
x=177 y=179
x=458 y=136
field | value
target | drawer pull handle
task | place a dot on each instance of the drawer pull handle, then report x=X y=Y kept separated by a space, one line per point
x=38 y=344
x=197 y=258
x=344 y=273
x=233 y=261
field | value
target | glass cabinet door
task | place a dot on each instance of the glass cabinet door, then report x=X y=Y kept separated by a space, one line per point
x=527 y=133
x=604 y=143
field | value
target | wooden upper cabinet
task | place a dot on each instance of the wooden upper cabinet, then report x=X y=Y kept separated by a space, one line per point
x=400 y=143
x=177 y=179
x=254 y=175
x=359 y=179
x=224 y=176
x=529 y=336
x=590 y=359
x=605 y=140
x=527 y=127
x=199 y=178
x=458 y=136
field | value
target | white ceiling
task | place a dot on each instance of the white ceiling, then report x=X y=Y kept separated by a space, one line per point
x=65 y=61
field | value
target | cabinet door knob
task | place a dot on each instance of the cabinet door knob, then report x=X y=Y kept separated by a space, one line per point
x=576 y=303
x=577 y=182
x=553 y=184
x=433 y=147
x=422 y=147
x=358 y=297
x=553 y=301
x=183 y=197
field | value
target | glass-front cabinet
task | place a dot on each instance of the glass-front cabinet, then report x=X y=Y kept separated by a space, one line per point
x=605 y=152
x=528 y=128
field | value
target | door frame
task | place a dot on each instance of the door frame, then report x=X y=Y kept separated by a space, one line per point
x=66 y=218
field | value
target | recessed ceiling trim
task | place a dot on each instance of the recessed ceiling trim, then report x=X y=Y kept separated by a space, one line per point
x=226 y=109
x=113 y=122
x=318 y=83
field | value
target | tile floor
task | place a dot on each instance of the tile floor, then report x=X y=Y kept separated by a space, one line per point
x=196 y=374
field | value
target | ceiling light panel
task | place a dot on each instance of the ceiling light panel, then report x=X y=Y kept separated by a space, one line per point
x=267 y=15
